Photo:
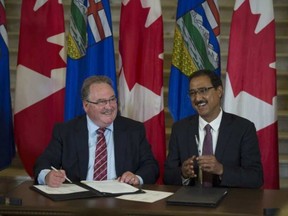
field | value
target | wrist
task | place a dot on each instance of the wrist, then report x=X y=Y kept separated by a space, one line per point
x=221 y=170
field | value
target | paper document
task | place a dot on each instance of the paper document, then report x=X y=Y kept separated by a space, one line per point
x=111 y=186
x=63 y=189
x=149 y=196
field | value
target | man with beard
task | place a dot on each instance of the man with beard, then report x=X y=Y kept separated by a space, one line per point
x=234 y=157
x=72 y=151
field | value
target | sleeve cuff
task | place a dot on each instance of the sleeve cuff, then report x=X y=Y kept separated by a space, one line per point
x=42 y=175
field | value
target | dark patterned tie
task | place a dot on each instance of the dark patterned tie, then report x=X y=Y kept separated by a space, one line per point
x=100 y=164
x=207 y=178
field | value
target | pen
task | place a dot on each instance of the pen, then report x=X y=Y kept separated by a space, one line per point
x=53 y=168
x=197 y=143
x=200 y=171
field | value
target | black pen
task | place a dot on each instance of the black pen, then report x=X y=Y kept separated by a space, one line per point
x=53 y=168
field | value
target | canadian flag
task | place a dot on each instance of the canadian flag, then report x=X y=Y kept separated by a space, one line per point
x=40 y=80
x=141 y=70
x=251 y=78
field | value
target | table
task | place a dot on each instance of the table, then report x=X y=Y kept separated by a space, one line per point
x=238 y=202
x=7 y=183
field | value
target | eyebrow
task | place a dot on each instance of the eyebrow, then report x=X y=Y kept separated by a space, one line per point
x=113 y=96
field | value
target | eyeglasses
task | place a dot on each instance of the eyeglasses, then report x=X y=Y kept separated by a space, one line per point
x=101 y=102
x=201 y=91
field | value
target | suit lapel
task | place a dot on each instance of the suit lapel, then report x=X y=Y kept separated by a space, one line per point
x=81 y=142
x=120 y=139
x=193 y=135
x=223 y=137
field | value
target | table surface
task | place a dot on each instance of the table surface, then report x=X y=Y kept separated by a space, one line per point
x=237 y=202
x=8 y=183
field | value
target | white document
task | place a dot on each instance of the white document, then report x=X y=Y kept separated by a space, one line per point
x=111 y=186
x=149 y=196
x=63 y=189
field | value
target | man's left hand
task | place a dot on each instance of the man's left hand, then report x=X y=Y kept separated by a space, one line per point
x=209 y=163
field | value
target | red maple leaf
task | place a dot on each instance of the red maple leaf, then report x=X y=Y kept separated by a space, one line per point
x=250 y=55
x=2 y=15
x=35 y=52
x=140 y=47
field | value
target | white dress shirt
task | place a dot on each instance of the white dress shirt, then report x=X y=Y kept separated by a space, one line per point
x=215 y=124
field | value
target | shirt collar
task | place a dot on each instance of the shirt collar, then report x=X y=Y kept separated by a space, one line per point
x=215 y=124
x=92 y=127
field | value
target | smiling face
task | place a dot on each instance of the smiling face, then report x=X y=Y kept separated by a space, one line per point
x=207 y=102
x=103 y=113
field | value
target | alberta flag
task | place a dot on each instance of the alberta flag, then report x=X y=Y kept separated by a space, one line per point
x=7 y=147
x=90 y=50
x=251 y=90
x=196 y=46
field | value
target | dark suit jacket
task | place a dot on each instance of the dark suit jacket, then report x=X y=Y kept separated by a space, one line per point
x=237 y=150
x=68 y=149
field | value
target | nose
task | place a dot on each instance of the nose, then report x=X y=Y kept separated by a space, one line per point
x=197 y=96
x=109 y=103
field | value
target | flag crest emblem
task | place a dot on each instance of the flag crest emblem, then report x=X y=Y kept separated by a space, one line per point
x=192 y=50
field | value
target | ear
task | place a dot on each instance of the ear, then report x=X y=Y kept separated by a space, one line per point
x=220 y=91
x=85 y=105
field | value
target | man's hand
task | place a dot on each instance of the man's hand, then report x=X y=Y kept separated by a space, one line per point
x=55 y=178
x=188 y=168
x=209 y=163
x=129 y=178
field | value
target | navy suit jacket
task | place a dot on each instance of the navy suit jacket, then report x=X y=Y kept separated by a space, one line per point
x=237 y=150
x=68 y=149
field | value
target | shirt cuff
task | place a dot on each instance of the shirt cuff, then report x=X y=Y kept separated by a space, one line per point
x=140 y=180
x=42 y=175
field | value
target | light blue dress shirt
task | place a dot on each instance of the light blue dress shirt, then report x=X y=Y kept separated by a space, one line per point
x=92 y=141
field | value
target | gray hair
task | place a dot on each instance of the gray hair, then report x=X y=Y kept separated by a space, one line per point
x=85 y=90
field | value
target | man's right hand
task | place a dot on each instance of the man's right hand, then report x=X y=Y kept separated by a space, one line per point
x=55 y=178
x=188 y=168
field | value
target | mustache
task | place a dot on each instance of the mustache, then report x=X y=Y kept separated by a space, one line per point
x=108 y=111
x=200 y=101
